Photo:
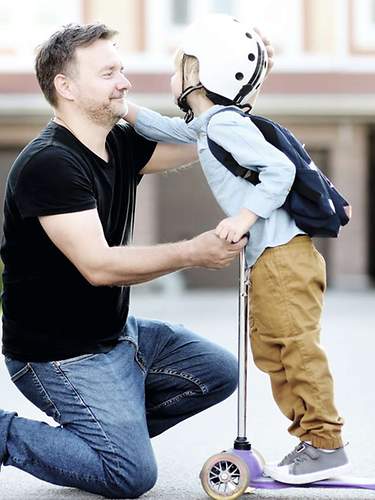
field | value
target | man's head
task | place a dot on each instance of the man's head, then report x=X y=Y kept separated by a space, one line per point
x=79 y=68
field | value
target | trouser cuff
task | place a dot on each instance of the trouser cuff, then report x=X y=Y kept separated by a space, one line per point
x=326 y=444
x=6 y=418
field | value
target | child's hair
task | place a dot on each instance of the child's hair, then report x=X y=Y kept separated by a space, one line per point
x=189 y=67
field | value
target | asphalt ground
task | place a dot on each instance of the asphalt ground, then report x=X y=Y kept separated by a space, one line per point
x=349 y=339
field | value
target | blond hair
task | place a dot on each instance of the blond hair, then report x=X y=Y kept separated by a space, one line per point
x=189 y=68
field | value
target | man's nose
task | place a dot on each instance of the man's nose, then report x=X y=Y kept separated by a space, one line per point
x=123 y=83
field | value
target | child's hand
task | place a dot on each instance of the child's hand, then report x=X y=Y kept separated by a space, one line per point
x=233 y=228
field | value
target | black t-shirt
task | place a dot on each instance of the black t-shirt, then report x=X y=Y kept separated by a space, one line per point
x=50 y=311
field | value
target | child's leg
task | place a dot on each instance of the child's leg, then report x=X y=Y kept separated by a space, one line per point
x=288 y=284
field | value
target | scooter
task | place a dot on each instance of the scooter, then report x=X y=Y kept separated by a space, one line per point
x=239 y=470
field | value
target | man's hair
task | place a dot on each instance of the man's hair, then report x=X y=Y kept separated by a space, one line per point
x=57 y=54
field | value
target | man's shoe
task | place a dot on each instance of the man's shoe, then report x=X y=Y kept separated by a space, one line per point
x=306 y=464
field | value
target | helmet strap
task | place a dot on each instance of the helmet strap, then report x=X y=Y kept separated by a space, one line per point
x=246 y=89
x=182 y=99
x=184 y=105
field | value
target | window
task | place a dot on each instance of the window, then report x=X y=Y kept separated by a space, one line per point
x=24 y=25
x=180 y=12
x=363 y=28
x=223 y=6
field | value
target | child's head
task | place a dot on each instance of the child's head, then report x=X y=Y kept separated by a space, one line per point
x=221 y=58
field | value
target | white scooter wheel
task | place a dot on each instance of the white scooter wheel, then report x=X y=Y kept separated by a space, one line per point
x=225 y=475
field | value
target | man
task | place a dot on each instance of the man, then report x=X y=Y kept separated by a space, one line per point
x=111 y=381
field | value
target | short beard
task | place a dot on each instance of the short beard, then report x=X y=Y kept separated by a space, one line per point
x=103 y=114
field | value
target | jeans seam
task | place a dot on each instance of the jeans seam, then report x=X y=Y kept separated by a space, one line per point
x=68 y=473
x=44 y=392
x=173 y=400
x=186 y=376
x=20 y=373
x=137 y=356
x=71 y=386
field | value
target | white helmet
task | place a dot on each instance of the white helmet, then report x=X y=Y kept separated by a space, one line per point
x=232 y=57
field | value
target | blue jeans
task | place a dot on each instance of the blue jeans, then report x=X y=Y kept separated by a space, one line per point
x=109 y=405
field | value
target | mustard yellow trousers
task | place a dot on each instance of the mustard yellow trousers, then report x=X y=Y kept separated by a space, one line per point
x=287 y=286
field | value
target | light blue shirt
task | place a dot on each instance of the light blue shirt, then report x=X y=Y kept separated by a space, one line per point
x=239 y=136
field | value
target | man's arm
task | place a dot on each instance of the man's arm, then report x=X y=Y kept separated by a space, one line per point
x=79 y=236
x=169 y=157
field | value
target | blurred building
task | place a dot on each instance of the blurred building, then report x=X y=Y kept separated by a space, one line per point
x=322 y=87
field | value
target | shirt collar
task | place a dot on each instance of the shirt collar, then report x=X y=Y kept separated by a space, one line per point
x=201 y=121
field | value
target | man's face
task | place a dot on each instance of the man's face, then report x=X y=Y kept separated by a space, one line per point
x=99 y=84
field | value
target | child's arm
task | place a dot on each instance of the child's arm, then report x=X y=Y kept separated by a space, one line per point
x=233 y=228
x=239 y=136
x=154 y=126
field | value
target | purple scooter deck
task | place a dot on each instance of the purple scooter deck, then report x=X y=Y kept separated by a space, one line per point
x=349 y=482
x=259 y=481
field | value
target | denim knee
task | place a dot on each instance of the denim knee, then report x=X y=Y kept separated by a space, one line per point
x=140 y=479
x=231 y=375
x=226 y=378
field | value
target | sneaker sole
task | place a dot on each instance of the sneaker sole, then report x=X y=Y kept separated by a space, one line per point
x=309 y=478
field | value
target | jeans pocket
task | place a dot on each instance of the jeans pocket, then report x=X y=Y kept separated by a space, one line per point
x=82 y=357
x=27 y=381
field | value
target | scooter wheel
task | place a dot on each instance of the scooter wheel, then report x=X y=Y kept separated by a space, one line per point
x=225 y=476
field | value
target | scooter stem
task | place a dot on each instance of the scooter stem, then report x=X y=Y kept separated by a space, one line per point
x=243 y=339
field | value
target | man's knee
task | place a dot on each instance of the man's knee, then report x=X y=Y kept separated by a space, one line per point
x=134 y=481
x=226 y=374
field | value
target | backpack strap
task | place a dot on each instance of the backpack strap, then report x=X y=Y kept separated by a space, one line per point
x=225 y=158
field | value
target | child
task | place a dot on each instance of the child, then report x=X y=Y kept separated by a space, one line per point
x=222 y=63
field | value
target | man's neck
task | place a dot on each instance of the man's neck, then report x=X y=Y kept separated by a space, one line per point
x=91 y=134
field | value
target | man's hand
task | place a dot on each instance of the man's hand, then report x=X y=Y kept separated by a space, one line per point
x=209 y=251
x=233 y=228
x=269 y=48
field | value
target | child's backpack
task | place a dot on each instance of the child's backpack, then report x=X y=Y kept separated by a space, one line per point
x=313 y=202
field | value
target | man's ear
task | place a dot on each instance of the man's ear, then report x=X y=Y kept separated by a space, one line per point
x=63 y=86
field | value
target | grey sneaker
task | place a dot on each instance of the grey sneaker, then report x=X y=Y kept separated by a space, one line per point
x=306 y=464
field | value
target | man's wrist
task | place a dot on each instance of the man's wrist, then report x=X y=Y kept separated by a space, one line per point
x=187 y=252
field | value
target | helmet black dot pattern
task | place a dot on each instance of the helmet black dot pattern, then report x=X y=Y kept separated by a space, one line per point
x=249 y=35
x=251 y=57
x=239 y=76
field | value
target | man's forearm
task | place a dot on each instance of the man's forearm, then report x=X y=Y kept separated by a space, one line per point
x=129 y=265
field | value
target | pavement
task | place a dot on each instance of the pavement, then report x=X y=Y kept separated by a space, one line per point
x=349 y=339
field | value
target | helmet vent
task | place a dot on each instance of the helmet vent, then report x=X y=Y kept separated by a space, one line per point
x=251 y=57
x=249 y=35
x=239 y=76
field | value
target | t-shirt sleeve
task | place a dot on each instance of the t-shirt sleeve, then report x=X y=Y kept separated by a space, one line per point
x=141 y=148
x=51 y=183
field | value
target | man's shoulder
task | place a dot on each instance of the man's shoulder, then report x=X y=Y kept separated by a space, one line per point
x=126 y=133
x=47 y=147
